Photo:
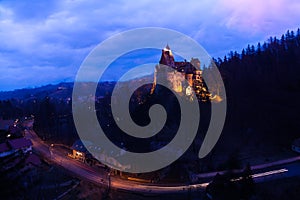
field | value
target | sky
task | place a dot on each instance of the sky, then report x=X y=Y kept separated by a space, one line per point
x=44 y=42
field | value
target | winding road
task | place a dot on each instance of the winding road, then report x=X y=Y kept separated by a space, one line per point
x=279 y=169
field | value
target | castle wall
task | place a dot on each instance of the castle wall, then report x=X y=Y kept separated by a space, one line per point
x=180 y=76
x=176 y=80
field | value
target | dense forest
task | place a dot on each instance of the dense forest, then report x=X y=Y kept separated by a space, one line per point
x=263 y=83
x=263 y=88
x=275 y=63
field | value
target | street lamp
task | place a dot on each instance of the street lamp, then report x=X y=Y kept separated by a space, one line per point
x=52 y=145
x=108 y=181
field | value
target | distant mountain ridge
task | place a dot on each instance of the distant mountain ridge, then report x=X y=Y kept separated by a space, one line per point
x=60 y=90
x=38 y=92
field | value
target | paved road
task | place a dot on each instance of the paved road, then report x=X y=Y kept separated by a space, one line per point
x=100 y=176
x=280 y=169
x=255 y=167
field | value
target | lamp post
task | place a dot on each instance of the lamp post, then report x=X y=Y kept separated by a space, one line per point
x=52 y=145
x=108 y=184
x=109 y=181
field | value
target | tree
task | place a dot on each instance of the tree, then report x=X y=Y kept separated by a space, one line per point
x=222 y=188
x=247 y=183
x=258 y=48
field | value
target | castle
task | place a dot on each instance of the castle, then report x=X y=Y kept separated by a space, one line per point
x=185 y=78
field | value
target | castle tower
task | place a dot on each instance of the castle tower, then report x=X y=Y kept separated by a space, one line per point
x=167 y=57
x=189 y=78
x=197 y=75
x=196 y=63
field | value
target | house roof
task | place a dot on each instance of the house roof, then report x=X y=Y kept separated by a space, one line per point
x=33 y=159
x=5 y=124
x=78 y=145
x=297 y=142
x=14 y=129
x=20 y=143
x=4 y=147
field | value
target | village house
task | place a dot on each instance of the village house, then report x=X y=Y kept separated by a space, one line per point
x=5 y=124
x=21 y=144
x=79 y=152
x=4 y=127
x=296 y=145
x=15 y=145
x=5 y=150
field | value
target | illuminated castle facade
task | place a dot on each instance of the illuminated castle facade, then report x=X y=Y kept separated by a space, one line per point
x=185 y=78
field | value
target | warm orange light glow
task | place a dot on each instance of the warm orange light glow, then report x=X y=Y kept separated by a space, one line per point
x=216 y=99
x=170 y=52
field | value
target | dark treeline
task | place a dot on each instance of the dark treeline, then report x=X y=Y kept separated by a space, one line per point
x=53 y=117
x=8 y=110
x=275 y=62
x=51 y=106
x=263 y=89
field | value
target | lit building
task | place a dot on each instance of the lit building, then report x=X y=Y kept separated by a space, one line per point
x=183 y=76
x=79 y=152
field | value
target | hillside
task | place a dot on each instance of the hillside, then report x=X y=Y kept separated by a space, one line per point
x=59 y=90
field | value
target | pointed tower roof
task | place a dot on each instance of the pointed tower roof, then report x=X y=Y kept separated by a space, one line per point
x=167 y=47
x=167 y=57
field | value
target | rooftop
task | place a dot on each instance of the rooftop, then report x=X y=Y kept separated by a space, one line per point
x=19 y=143
x=78 y=146
x=5 y=124
x=4 y=147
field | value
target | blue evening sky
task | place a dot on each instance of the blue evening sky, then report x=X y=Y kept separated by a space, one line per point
x=46 y=41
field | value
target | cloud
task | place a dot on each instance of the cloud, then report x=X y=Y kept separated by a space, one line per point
x=256 y=16
x=232 y=24
x=61 y=33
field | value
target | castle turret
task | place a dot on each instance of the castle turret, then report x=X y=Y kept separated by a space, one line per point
x=189 y=78
x=167 y=57
x=184 y=78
